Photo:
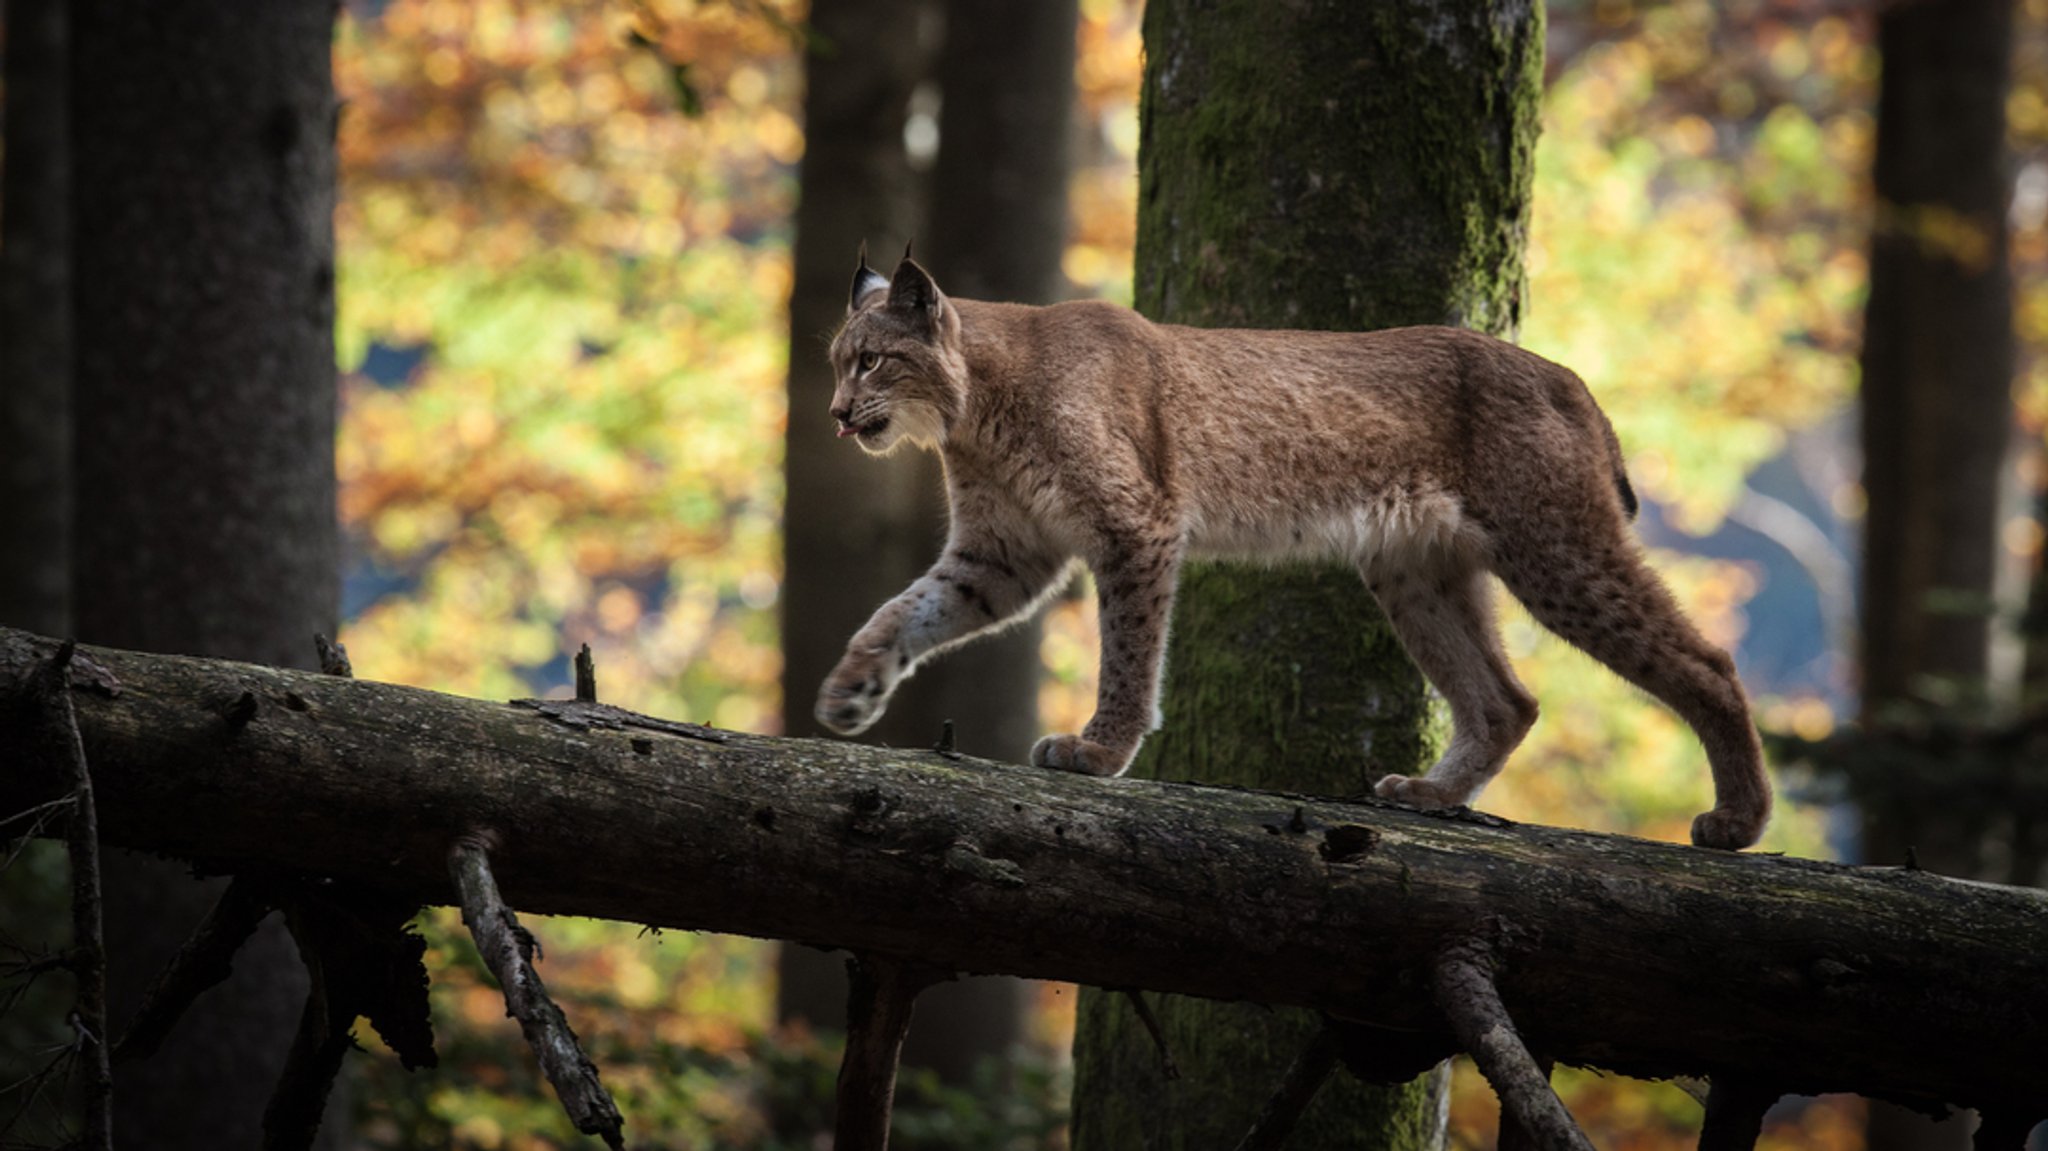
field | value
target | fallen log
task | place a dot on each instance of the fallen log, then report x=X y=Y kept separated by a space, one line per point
x=1645 y=958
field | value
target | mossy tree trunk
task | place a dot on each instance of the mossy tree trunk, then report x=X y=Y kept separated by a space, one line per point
x=1320 y=165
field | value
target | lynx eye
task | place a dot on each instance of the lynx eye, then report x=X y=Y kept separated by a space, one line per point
x=868 y=360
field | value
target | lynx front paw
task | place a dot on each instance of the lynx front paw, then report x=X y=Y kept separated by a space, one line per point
x=1072 y=753
x=1415 y=792
x=854 y=695
x=1728 y=828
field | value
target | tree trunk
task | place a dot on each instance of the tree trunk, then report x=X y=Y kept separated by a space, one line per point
x=855 y=530
x=1326 y=165
x=35 y=322
x=1645 y=958
x=1937 y=416
x=205 y=478
x=997 y=227
x=35 y=451
x=1937 y=352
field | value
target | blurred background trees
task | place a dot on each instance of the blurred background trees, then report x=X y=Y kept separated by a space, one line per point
x=571 y=265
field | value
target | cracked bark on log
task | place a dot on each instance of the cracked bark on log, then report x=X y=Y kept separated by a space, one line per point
x=1644 y=958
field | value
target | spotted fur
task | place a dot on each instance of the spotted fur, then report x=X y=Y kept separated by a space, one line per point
x=1427 y=457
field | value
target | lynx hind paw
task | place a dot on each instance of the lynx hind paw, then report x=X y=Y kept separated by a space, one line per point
x=1415 y=792
x=1728 y=829
x=1072 y=753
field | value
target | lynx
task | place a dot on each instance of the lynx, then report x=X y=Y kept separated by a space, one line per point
x=1428 y=457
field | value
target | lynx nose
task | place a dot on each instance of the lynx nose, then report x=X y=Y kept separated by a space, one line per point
x=843 y=414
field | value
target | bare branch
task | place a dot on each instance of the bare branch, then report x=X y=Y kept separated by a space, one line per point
x=1512 y=1136
x=1466 y=994
x=291 y=1120
x=204 y=961
x=52 y=687
x=1735 y=1114
x=881 y=993
x=1167 y=1066
x=507 y=949
x=1305 y=1076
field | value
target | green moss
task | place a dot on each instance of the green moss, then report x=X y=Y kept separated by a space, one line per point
x=1325 y=164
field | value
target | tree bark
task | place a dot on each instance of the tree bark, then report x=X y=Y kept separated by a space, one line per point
x=1937 y=369
x=1326 y=165
x=1644 y=958
x=205 y=484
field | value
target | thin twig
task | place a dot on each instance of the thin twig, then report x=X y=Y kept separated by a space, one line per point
x=88 y=942
x=1735 y=1114
x=291 y=1119
x=881 y=992
x=1465 y=993
x=204 y=961
x=507 y=950
x=1167 y=1066
x=1305 y=1076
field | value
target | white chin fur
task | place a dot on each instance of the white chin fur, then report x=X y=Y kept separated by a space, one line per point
x=907 y=425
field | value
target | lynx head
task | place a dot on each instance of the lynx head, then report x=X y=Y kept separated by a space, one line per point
x=901 y=377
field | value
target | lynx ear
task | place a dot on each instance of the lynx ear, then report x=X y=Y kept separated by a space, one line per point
x=913 y=289
x=866 y=282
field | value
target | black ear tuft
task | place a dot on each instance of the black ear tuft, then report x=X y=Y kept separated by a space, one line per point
x=866 y=282
x=913 y=288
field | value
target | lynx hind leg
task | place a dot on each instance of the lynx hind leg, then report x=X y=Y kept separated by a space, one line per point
x=1445 y=621
x=1593 y=589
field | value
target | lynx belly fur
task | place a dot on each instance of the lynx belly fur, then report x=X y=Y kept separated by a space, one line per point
x=1428 y=457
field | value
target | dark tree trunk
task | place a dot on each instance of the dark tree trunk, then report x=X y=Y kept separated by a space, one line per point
x=1320 y=165
x=35 y=450
x=205 y=479
x=855 y=530
x=1937 y=350
x=998 y=222
x=35 y=322
x=1937 y=414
